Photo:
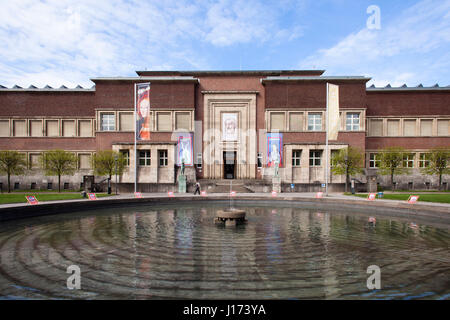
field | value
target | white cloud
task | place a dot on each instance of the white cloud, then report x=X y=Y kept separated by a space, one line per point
x=68 y=41
x=400 y=51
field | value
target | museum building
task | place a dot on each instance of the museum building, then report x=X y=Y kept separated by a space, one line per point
x=233 y=120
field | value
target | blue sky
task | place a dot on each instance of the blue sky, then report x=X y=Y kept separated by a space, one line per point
x=60 y=42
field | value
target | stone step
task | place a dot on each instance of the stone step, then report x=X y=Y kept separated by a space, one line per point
x=226 y=189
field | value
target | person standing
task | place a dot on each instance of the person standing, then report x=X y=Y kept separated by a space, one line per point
x=197 y=188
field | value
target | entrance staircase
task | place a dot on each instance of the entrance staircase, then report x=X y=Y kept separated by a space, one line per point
x=223 y=185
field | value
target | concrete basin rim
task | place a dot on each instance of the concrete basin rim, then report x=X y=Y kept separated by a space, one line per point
x=429 y=213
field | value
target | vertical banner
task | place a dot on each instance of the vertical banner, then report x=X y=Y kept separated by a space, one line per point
x=333 y=111
x=143 y=111
x=184 y=149
x=274 y=149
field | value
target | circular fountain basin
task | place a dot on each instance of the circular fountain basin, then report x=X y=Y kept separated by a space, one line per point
x=176 y=252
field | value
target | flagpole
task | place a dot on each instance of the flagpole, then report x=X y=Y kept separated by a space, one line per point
x=326 y=146
x=135 y=150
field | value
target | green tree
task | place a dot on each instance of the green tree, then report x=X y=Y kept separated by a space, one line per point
x=59 y=163
x=347 y=161
x=12 y=163
x=437 y=164
x=391 y=162
x=106 y=163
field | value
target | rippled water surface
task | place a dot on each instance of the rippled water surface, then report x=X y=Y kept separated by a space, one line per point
x=178 y=252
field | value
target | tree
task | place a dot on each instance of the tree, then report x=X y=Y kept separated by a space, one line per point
x=107 y=162
x=437 y=164
x=59 y=163
x=12 y=163
x=347 y=161
x=391 y=162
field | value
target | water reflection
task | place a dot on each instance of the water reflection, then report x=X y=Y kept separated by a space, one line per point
x=281 y=253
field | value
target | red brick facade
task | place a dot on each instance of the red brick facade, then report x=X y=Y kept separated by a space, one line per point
x=178 y=90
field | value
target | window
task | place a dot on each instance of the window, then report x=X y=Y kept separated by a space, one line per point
x=52 y=128
x=277 y=121
x=84 y=161
x=374 y=160
x=409 y=128
x=296 y=157
x=443 y=127
x=408 y=160
x=375 y=127
x=84 y=128
x=424 y=160
x=259 y=160
x=126 y=156
x=66 y=186
x=68 y=128
x=108 y=122
x=33 y=186
x=162 y=158
x=4 y=128
x=199 y=160
x=144 y=158
x=183 y=121
x=333 y=154
x=314 y=158
x=295 y=121
x=126 y=121
x=19 y=128
x=49 y=186
x=352 y=122
x=34 y=162
x=164 y=121
x=314 y=121
x=36 y=128
x=16 y=185
x=393 y=127
x=426 y=127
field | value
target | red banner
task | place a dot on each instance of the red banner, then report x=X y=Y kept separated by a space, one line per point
x=143 y=111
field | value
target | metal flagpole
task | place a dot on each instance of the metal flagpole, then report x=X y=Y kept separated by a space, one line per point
x=326 y=146
x=135 y=150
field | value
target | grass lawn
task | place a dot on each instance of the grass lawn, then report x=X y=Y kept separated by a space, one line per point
x=441 y=198
x=17 y=198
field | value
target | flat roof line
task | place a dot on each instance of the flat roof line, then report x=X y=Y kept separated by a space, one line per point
x=168 y=78
x=224 y=72
x=375 y=89
x=316 y=78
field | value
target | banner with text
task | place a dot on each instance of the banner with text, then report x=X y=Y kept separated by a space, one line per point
x=333 y=111
x=274 y=149
x=184 y=149
x=143 y=111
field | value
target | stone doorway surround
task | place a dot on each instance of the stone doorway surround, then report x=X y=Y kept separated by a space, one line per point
x=216 y=103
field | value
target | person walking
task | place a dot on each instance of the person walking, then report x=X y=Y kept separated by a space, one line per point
x=197 y=188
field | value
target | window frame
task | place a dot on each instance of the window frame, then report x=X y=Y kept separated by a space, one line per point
x=296 y=157
x=423 y=161
x=163 y=155
x=146 y=159
x=353 y=126
x=113 y=117
x=375 y=161
x=314 y=158
x=407 y=159
x=316 y=118
x=126 y=155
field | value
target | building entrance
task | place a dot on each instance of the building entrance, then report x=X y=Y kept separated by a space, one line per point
x=229 y=164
